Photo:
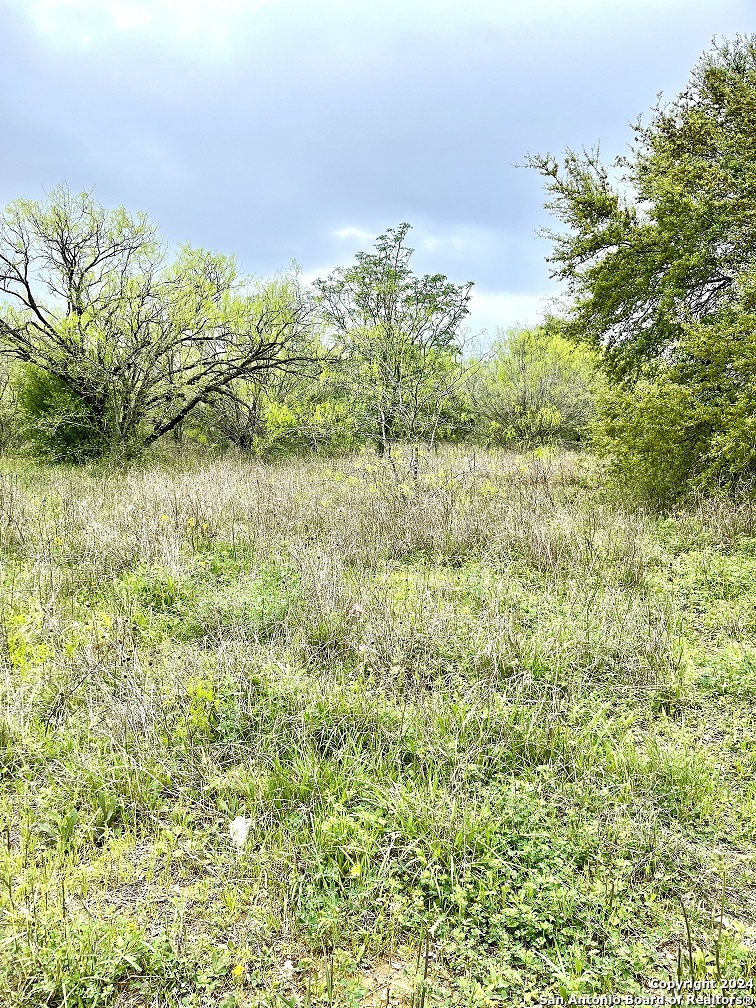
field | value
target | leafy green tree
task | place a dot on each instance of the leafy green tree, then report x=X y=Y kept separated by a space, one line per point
x=54 y=421
x=136 y=340
x=660 y=268
x=398 y=338
x=282 y=411
x=535 y=386
x=689 y=425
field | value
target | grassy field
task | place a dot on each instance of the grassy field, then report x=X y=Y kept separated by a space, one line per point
x=307 y=734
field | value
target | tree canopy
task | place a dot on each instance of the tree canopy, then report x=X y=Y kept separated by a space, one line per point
x=659 y=262
x=669 y=238
x=398 y=336
x=138 y=340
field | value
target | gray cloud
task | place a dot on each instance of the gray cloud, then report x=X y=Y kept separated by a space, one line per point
x=270 y=131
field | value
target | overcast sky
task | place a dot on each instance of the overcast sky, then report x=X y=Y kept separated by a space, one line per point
x=300 y=129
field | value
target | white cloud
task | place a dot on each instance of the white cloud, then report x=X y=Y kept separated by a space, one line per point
x=126 y=16
x=492 y=310
x=354 y=232
x=83 y=23
x=224 y=26
x=455 y=241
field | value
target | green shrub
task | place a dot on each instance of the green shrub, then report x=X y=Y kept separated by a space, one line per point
x=537 y=387
x=56 y=422
x=692 y=424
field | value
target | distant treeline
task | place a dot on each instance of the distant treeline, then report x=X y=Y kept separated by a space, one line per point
x=109 y=346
